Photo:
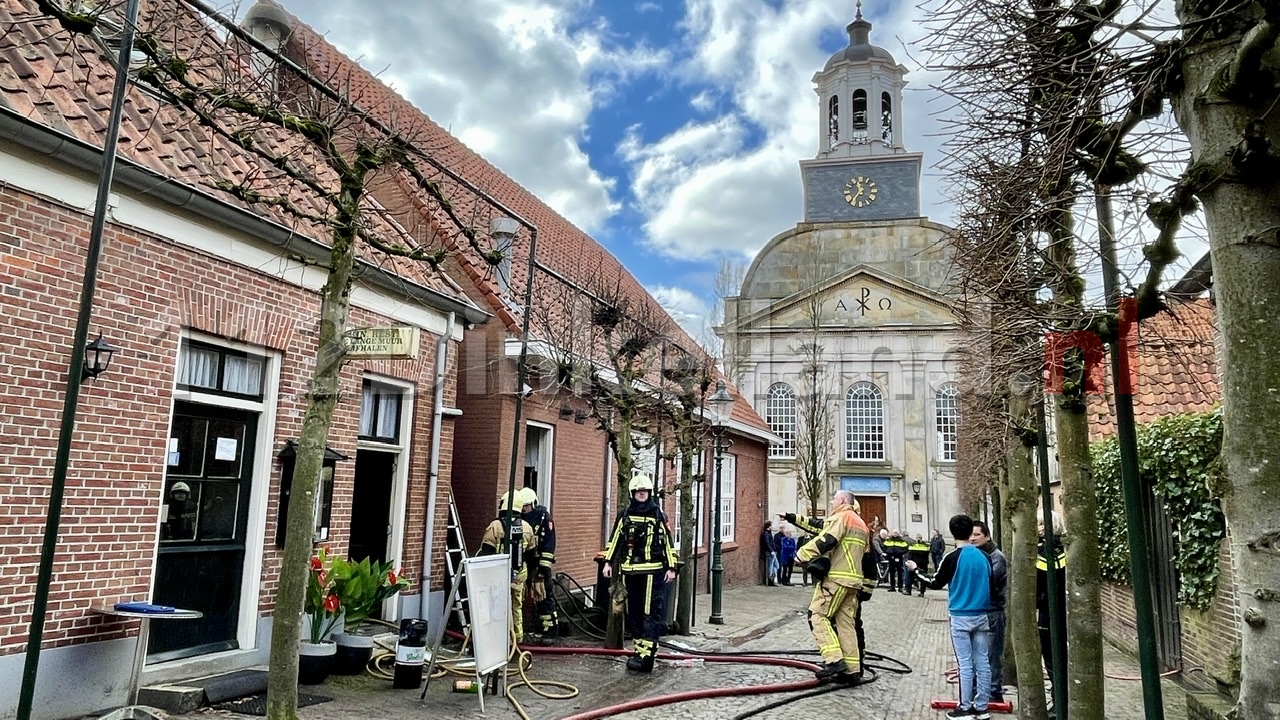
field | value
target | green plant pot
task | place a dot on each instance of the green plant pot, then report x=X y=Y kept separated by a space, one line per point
x=354 y=651
x=315 y=662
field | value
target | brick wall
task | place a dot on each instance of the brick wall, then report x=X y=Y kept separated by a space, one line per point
x=149 y=290
x=1210 y=640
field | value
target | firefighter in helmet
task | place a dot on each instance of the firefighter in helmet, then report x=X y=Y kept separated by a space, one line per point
x=641 y=548
x=522 y=539
x=544 y=531
x=835 y=559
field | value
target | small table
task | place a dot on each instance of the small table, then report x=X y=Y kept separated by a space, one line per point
x=132 y=710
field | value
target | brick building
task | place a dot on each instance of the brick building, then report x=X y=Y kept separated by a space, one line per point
x=213 y=301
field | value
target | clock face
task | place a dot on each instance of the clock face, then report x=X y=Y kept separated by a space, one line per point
x=860 y=191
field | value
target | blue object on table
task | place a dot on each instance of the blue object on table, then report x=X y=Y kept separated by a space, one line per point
x=143 y=607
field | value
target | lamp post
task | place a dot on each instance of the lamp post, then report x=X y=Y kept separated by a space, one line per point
x=721 y=402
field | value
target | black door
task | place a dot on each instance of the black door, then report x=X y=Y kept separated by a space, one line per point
x=201 y=559
x=371 y=505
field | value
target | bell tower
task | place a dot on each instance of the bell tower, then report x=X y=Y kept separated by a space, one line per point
x=862 y=170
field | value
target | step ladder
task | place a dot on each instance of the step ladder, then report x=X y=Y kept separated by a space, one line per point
x=454 y=555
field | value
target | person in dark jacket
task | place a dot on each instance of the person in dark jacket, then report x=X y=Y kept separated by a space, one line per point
x=1050 y=551
x=937 y=548
x=918 y=553
x=544 y=531
x=981 y=537
x=769 y=555
x=895 y=548
x=786 y=555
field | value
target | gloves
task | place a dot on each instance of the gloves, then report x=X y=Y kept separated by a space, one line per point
x=863 y=596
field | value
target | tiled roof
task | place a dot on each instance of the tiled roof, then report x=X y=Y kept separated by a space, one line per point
x=65 y=82
x=562 y=247
x=1176 y=369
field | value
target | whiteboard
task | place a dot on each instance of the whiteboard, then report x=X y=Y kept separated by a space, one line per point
x=489 y=597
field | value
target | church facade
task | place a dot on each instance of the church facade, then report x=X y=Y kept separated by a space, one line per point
x=843 y=332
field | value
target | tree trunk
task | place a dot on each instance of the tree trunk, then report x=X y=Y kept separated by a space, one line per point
x=322 y=398
x=1021 y=515
x=1233 y=137
x=688 y=535
x=1004 y=539
x=615 y=627
x=1084 y=568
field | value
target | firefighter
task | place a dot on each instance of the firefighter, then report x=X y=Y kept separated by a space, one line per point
x=835 y=558
x=544 y=531
x=640 y=546
x=870 y=577
x=522 y=538
x=917 y=552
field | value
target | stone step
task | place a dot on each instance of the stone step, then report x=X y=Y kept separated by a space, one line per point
x=186 y=695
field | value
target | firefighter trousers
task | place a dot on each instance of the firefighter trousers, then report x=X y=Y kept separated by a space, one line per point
x=831 y=617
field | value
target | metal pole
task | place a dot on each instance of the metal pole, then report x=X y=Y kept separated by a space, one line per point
x=522 y=374
x=1127 y=437
x=1056 y=642
x=717 y=563
x=75 y=370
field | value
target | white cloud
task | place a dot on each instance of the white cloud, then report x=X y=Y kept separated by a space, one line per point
x=687 y=308
x=505 y=76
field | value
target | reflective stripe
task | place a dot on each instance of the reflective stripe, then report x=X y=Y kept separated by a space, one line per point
x=1043 y=564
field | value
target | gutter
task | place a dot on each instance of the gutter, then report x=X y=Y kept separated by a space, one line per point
x=79 y=154
x=433 y=485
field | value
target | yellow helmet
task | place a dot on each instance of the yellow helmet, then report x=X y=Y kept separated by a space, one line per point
x=640 y=481
x=527 y=496
x=504 y=505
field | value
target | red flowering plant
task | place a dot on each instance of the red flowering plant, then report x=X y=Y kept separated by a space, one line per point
x=323 y=607
x=362 y=586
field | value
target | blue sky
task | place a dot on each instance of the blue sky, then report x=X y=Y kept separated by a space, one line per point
x=670 y=130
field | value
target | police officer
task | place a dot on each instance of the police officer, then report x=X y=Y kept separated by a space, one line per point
x=917 y=552
x=836 y=554
x=544 y=531
x=641 y=547
x=522 y=538
x=895 y=549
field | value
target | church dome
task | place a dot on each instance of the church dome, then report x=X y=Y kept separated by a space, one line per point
x=860 y=48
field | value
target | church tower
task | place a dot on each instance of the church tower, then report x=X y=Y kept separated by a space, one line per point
x=862 y=171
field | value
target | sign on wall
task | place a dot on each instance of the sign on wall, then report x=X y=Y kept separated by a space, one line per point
x=382 y=342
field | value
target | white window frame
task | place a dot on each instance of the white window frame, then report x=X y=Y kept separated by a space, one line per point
x=728 y=496
x=864 y=423
x=780 y=415
x=547 y=463
x=946 y=421
x=400 y=481
x=698 y=511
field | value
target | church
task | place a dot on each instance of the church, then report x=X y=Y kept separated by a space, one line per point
x=844 y=331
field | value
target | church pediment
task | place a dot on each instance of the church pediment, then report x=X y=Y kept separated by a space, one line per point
x=858 y=298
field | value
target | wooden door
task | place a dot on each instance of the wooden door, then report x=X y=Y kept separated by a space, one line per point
x=873 y=508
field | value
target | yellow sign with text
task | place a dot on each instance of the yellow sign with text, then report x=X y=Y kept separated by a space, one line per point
x=383 y=342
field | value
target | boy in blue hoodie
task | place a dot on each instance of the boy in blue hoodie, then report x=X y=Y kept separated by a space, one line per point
x=968 y=572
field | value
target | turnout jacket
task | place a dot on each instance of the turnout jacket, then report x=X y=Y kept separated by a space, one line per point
x=640 y=541
x=843 y=539
x=1042 y=579
x=495 y=535
x=544 y=532
x=813 y=526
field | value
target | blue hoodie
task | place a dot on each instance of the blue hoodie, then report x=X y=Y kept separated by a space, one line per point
x=968 y=572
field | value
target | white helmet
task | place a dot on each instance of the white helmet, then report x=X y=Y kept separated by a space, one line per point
x=527 y=496
x=640 y=481
x=180 y=487
x=503 y=504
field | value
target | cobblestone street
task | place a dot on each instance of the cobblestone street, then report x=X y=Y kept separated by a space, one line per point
x=910 y=629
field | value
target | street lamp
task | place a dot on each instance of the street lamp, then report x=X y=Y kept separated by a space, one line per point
x=721 y=403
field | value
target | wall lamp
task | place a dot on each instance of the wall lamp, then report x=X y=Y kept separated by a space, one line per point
x=97 y=358
x=915 y=489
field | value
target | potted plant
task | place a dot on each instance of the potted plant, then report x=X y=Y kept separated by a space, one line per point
x=322 y=611
x=361 y=588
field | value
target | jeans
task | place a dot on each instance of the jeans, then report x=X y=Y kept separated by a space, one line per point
x=998 y=621
x=971 y=638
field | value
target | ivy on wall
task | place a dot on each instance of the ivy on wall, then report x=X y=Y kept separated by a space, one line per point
x=1179 y=456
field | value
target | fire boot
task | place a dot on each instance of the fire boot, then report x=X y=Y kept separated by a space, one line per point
x=830 y=671
x=642 y=660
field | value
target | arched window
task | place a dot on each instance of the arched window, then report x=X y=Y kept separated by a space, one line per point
x=833 y=119
x=859 y=110
x=864 y=422
x=946 y=414
x=780 y=413
x=886 y=117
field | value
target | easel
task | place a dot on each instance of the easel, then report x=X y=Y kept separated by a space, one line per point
x=488 y=583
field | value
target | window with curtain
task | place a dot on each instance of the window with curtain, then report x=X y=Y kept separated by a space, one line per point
x=780 y=413
x=380 y=412
x=864 y=422
x=217 y=370
x=946 y=413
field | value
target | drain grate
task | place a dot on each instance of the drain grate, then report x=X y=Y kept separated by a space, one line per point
x=257 y=704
